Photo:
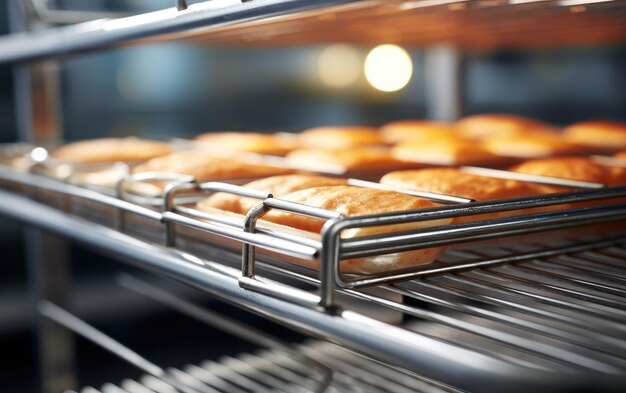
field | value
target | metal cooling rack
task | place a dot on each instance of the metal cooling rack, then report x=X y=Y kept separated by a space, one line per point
x=519 y=315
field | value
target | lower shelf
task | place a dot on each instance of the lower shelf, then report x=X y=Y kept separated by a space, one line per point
x=545 y=323
x=276 y=371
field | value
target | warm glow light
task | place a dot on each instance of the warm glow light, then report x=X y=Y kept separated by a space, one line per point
x=339 y=66
x=388 y=68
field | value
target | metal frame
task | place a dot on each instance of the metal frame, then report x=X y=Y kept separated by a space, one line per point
x=105 y=33
x=409 y=350
x=332 y=249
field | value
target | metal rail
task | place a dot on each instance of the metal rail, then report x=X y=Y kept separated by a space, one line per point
x=105 y=33
x=332 y=249
x=554 y=343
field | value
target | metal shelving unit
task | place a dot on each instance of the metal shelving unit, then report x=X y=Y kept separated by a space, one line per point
x=516 y=317
x=539 y=315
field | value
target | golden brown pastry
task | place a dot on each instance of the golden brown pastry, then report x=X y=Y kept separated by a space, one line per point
x=597 y=133
x=487 y=125
x=444 y=150
x=204 y=167
x=111 y=150
x=574 y=168
x=275 y=185
x=246 y=142
x=455 y=182
x=338 y=137
x=350 y=159
x=354 y=201
x=530 y=145
x=414 y=130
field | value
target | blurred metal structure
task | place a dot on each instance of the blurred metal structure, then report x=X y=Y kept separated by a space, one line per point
x=501 y=319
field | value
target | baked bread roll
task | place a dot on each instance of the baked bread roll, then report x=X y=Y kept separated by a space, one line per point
x=455 y=182
x=203 y=167
x=574 y=168
x=339 y=137
x=349 y=159
x=275 y=185
x=597 y=133
x=414 y=130
x=444 y=150
x=111 y=150
x=355 y=201
x=246 y=142
x=488 y=125
x=530 y=145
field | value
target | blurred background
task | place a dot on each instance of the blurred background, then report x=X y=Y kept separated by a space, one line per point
x=180 y=89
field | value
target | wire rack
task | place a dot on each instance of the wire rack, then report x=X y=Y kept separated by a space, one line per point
x=464 y=23
x=530 y=312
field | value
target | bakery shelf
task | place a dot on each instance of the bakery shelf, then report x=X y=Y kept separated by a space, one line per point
x=513 y=316
x=473 y=24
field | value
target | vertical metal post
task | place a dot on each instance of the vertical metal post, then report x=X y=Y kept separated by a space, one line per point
x=37 y=102
x=47 y=258
x=444 y=83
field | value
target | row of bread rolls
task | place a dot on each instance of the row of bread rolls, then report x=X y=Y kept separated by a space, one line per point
x=334 y=194
x=475 y=140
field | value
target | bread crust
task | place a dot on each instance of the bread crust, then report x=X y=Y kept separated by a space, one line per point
x=278 y=186
x=487 y=125
x=531 y=145
x=597 y=133
x=111 y=150
x=574 y=168
x=350 y=159
x=444 y=150
x=454 y=182
x=246 y=142
x=349 y=201
x=336 y=137
x=415 y=130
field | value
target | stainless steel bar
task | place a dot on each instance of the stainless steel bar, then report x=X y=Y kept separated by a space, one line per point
x=258 y=239
x=257 y=374
x=238 y=223
x=156 y=384
x=68 y=189
x=110 y=388
x=604 y=317
x=549 y=180
x=479 y=230
x=602 y=257
x=619 y=308
x=606 y=288
x=249 y=253
x=443 y=67
x=80 y=327
x=103 y=34
x=189 y=380
x=556 y=354
x=586 y=340
x=399 y=376
x=478 y=296
x=226 y=374
x=483 y=261
x=341 y=382
x=429 y=357
x=441 y=198
x=568 y=264
x=212 y=380
x=223 y=323
x=49 y=278
x=268 y=366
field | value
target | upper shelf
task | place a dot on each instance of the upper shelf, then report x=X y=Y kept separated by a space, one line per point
x=471 y=24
